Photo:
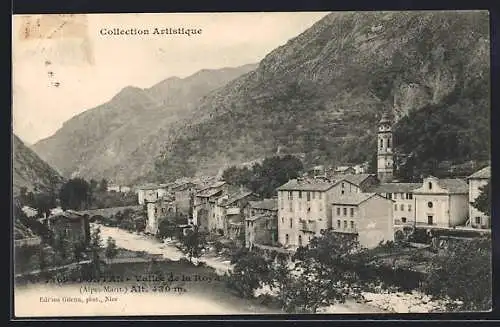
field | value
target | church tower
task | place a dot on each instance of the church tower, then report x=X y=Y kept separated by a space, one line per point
x=385 y=157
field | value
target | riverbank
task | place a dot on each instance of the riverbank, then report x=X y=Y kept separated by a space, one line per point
x=139 y=242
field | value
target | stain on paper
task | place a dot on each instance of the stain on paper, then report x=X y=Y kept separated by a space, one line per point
x=61 y=35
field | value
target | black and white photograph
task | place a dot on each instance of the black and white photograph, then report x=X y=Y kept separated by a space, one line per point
x=251 y=163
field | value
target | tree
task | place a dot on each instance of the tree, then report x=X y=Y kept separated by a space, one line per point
x=250 y=271
x=63 y=247
x=44 y=202
x=103 y=186
x=111 y=248
x=75 y=194
x=95 y=250
x=325 y=274
x=263 y=179
x=193 y=242
x=93 y=184
x=79 y=249
x=372 y=164
x=463 y=272
x=483 y=201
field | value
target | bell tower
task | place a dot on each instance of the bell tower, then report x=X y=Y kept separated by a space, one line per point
x=385 y=156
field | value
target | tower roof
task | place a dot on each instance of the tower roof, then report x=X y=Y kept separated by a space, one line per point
x=385 y=118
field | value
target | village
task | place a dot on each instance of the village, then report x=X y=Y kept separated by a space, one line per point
x=374 y=209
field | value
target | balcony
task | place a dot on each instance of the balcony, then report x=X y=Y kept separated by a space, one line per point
x=308 y=226
x=348 y=230
x=408 y=222
x=233 y=211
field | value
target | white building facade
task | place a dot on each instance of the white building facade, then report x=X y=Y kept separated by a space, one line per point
x=303 y=211
x=476 y=181
x=441 y=203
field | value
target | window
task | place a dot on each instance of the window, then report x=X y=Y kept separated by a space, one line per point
x=308 y=196
x=287 y=238
x=389 y=195
x=343 y=185
x=290 y=207
x=381 y=143
x=342 y=192
x=290 y=195
x=403 y=219
x=345 y=211
x=402 y=195
x=395 y=196
x=478 y=220
x=282 y=220
x=410 y=196
x=429 y=204
x=402 y=207
x=389 y=142
x=300 y=240
x=409 y=207
x=338 y=223
x=352 y=212
x=345 y=224
x=395 y=207
x=291 y=222
x=300 y=194
x=338 y=211
x=430 y=186
x=430 y=220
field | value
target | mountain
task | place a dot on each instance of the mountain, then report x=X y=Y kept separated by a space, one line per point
x=323 y=92
x=29 y=171
x=119 y=140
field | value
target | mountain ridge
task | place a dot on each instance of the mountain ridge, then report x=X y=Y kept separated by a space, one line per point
x=120 y=138
x=323 y=92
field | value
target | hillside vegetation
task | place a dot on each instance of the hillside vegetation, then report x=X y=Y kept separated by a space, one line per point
x=323 y=92
x=31 y=172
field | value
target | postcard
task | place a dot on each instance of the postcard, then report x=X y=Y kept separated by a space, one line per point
x=251 y=163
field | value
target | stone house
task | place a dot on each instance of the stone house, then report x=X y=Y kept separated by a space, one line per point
x=478 y=219
x=367 y=215
x=261 y=219
x=75 y=226
x=302 y=200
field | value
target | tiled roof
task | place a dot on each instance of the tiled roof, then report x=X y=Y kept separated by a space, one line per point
x=305 y=185
x=206 y=193
x=236 y=196
x=149 y=187
x=395 y=187
x=454 y=185
x=266 y=204
x=213 y=185
x=355 y=179
x=484 y=173
x=353 y=199
x=183 y=186
x=261 y=216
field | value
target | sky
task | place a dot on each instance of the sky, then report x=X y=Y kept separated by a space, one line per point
x=63 y=65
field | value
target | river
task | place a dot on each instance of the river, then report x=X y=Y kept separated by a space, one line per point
x=199 y=298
